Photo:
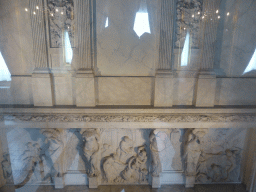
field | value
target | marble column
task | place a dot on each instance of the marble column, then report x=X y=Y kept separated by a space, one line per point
x=41 y=78
x=206 y=86
x=164 y=78
x=85 y=88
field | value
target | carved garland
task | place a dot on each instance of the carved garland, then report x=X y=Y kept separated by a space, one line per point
x=133 y=118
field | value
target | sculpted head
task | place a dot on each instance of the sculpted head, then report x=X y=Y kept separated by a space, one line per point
x=90 y=135
x=126 y=144
x=200 y=132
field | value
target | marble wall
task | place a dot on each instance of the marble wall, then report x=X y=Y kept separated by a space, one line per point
x=122 y=50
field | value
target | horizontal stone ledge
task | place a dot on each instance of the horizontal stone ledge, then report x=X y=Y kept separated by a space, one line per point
x=126 y=125
x=125 y=110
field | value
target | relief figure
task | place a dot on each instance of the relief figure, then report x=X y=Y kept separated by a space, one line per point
x=55 y=151
x=116 y=163
x=7 y=168
x=193 y=149
x=91 y=151
x=155 y=149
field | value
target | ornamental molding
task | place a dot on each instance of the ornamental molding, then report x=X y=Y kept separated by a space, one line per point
x=242 y=117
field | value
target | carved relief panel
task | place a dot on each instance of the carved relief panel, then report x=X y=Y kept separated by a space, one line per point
x=188 y=21
x=61 y=20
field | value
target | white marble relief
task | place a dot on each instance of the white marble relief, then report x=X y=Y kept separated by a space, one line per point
x=193 y=149
x=156 y=145
x=220 y=160
x=220 y=167
x=188 y=21
x=55 y=151
x=32 y=164
x=61 y=19
x=91 y=151
x=120 y=51
x=126 y=165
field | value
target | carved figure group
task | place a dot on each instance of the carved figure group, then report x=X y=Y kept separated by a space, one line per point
x=220 y=167
x=55 y=151
x=7 y=169
x=126 y=166
x=193 y=149
x=31 y=158
x=91 y=151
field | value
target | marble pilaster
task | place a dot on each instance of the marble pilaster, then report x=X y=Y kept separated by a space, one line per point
x=164 y=79
x=85 y=89
x=206 y=86
x=42 y=82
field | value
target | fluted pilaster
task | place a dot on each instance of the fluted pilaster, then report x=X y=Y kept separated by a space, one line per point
x=209 y=33
x=84 y=19
x=166 y=33
x=38 y=33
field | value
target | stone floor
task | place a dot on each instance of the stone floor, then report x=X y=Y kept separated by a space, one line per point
x=134 y=188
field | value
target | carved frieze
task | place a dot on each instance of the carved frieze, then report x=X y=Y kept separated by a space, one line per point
x=61 y=20
x=188 y=21
x=134 y=118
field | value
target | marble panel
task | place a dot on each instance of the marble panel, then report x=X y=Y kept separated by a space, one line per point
x=63 y=89
x=235 y=91
x=21 y=90
x=205 y=96
x=235 y=39
x=125 y=90
x=163 y=91
x=183 y=90
x=85 y=90
x=121 y=49
x=6 y=96
x=42 y=90
x=15 y=40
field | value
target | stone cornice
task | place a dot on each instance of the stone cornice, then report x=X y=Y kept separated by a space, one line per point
x=235 y=117
x=127 y=118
